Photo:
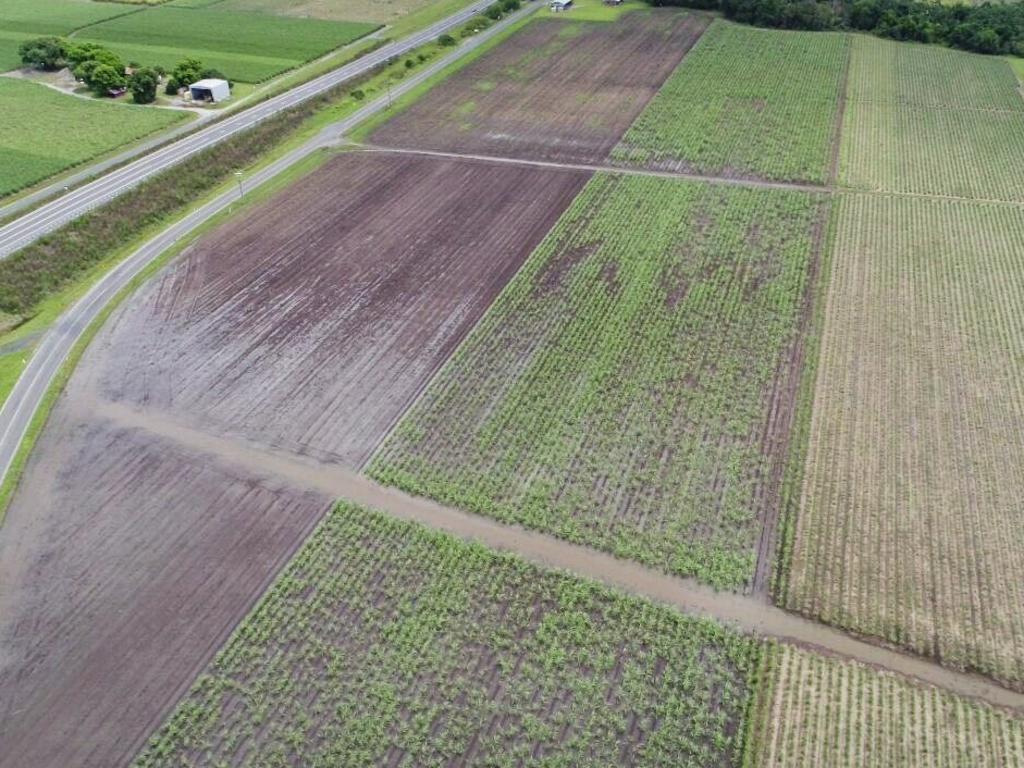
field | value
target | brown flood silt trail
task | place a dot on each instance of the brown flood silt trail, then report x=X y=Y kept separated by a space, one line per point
x=743 y=611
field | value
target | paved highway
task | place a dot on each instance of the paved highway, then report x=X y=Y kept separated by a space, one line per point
x=50 y=216
x=28 y=393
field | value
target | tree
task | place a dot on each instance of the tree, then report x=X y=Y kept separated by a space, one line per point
x=104 y=78
x=184 y=74
x=143 y=85
x=79 y=53
x=43 y=53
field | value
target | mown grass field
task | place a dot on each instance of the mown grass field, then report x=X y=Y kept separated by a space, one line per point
x=908 y=527
x=246 y=46
x=928 y=120
x=745 y=102
x=44 y=132
x=385 y=643
x=619 y=391
x=818 y=712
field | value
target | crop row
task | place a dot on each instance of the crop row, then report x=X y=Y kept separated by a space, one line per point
x=745 y=102
x=957 y=131
x=385 y=644
x=818 y=712
x=884 y=71
x=909 y=523
x=618 y=391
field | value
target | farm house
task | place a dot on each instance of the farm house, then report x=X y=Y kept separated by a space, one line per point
x=210 y=89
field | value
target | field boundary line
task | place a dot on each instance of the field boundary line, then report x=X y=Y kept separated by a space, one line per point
x=744 y=612
x=792 y=186
x=594 y=168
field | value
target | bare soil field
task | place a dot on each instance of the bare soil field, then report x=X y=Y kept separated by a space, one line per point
x=555 y=90
x=116 y=587
x=311 y=324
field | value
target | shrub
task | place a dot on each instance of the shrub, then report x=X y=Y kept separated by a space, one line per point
x=446 y=41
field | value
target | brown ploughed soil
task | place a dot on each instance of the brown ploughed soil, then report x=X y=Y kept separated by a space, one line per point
x=556 y=90
x=125 y=561
x=311 y=324
x=126 y=558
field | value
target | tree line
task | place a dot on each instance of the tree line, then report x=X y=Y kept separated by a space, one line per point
x=104 y=73
x=994 y=28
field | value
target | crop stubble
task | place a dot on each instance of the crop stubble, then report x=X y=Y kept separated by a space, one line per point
x=322 y=314
x=925 y=120
x=821 y=712
x=908 y=527
x=555 y=90
x=311 y=324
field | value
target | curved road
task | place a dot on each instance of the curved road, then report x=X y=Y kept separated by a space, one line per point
x=50 y=216
x=23 y=401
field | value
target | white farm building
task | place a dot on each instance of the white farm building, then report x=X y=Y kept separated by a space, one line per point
x=210 y=89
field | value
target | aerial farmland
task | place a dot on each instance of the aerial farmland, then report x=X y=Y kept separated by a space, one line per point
x=602 y=385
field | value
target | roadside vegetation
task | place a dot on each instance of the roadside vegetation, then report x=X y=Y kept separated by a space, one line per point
x=383 y=641
x=44 y=132
x=748 y=103
x=619 y=391
x=818 y=712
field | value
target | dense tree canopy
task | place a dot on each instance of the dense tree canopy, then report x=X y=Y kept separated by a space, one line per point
x=43 y=53
x=143 y=84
